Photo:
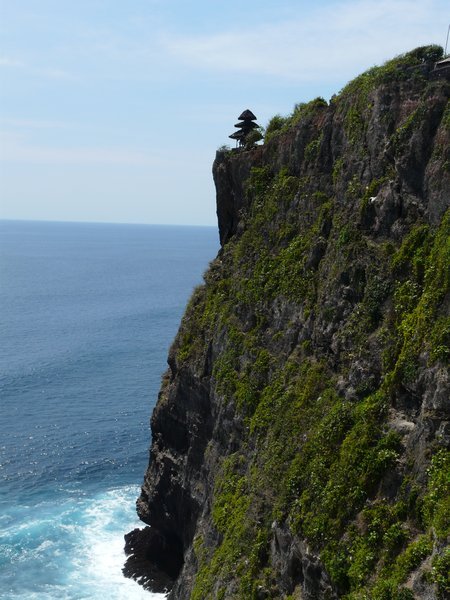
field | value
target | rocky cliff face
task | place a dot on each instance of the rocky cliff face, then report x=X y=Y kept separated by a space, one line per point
x=300 y=440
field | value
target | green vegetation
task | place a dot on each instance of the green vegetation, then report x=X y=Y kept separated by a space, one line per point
x=358 y=92
x=355 y=100
x=224 y=149
x=332 y=456
x=303 y=112
x=334 y=453
x=312 y=149
x=314 y=459
x=423 y=274
x=395 y=70
x=276 y=124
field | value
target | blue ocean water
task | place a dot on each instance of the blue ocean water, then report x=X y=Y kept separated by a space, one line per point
x=87 y=314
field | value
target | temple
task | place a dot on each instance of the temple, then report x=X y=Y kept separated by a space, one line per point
x=245 y=126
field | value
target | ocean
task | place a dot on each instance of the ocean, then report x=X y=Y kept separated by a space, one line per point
x=87 y=315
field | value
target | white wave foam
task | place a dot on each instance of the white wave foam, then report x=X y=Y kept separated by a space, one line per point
x=72 y=550
x=100 y=551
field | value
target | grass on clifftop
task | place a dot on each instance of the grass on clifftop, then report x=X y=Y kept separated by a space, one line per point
x=400 y=68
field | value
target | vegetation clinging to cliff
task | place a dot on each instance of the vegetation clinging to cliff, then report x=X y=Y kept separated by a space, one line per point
x=304 y=417
x=330 y=459
x=333 y=459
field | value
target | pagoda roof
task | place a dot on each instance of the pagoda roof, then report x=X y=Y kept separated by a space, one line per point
x=247 y=114
x=246 y=125
x=237 y=135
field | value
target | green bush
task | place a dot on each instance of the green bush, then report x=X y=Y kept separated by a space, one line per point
x=275 y=125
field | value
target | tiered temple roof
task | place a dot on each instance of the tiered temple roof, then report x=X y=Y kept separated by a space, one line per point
x=247 y=115
x=246 y=124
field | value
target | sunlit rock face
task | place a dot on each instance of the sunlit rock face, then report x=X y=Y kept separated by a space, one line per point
x=301 y=434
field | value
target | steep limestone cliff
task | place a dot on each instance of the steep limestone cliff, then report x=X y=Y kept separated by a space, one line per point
x=300 y=439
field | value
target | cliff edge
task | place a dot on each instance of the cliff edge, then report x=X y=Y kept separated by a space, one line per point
x=300 y=439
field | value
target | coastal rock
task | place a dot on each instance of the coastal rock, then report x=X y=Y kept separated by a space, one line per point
x=301 y=432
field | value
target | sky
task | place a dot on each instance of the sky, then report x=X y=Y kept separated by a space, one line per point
x=112 y=110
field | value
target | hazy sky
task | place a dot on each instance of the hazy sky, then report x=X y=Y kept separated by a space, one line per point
x=112 y=110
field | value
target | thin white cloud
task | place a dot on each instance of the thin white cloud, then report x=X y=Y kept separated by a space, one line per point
x=47 y=72
x=52 y=73
x=8 y=62
x=15 y=148
x=33 y=124
x=328 y=42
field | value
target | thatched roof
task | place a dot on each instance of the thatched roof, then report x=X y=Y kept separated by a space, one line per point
x=237 y=135
x=246 y=125
x=247 y=114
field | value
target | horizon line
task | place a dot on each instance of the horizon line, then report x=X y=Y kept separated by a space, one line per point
x=15 y=220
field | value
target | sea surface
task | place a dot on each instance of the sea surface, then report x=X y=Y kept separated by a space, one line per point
x=87 y=315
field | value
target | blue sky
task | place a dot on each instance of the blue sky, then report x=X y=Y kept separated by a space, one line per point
x=112 y=110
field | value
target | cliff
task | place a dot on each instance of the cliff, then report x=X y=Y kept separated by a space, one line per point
x=300 y=439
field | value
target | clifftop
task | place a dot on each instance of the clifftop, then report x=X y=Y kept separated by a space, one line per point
x=300 y=440
x=357 y=136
